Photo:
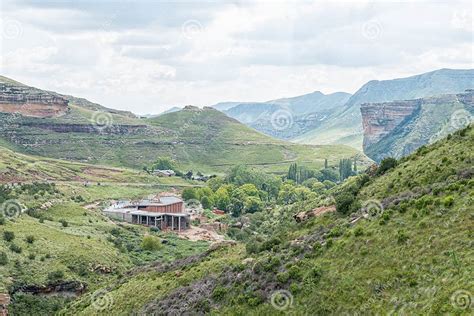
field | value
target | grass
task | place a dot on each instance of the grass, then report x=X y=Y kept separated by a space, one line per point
x=199 y=140
x=415 y=258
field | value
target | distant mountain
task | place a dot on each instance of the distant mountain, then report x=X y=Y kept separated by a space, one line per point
x=398 y=128
x=288 y=117
x=171 y=110
x=224 y=106
x=42 y=123
x=315 y=102
x=345 y=125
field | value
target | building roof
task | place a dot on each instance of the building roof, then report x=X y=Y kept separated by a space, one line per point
x=135 y=211
x=164 y=200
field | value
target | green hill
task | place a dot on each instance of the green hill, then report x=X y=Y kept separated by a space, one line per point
x=203 y=140
x=405 y=247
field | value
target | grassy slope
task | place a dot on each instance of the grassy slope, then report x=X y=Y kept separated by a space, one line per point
x=15 y=167
x=87 y=241
x=409 y=261
x=206 y=141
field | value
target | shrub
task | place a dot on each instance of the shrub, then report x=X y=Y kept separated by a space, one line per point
x=30 y=239
x=15 y=248
x=55 y=275
x=2 y=220
x=3 y=258
x=358 y=231
x=64 y=222
x=401 y=237
x=219 y=293
x=31 y=256
x=283 y=277
x=386 y=164
x=343 y=202
x=8 y=235
x=448 y=201
x=294 y=273
x=151 y=243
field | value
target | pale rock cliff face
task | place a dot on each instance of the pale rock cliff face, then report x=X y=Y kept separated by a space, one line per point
x=379 y=119
x=30 y=101
x=398 y=128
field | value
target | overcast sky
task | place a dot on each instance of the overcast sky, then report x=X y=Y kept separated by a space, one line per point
x=147 y=56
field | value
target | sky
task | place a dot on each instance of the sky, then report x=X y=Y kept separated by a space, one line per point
x=148 y=56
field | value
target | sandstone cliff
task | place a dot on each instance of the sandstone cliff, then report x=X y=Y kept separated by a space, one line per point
x=29 y=101
x=379 y=119
x=398 y=128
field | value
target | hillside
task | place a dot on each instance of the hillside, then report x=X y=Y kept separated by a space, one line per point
x=201 y=140
x=397 y=128
x=404 y=248
x=288 y=117
x=345 y=126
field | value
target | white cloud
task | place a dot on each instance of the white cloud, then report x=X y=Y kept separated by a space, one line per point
x=154 y=55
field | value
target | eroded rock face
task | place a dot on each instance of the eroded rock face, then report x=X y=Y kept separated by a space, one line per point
x=30 y=101
x=396 y=129
x=379 y=119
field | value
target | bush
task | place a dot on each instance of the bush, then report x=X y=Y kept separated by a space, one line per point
x=359 y=231
x=55 y=275
x=386 y=164
x=401 y=237
x=283 y=277
x=30 y=239
x=151 y=243
x=219 y=293
x=8 y=235
x=64 y=222
x=3 y=258
x=2 y=220
x=15 y=248
x=448 y=201
x=343 y=202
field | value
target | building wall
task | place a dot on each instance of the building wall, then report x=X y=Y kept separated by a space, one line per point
x=172 y=208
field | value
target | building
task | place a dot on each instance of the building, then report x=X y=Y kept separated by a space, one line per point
x=167 y=212
x=164 y=173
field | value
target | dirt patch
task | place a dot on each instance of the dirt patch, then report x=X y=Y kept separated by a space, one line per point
x=198 y=233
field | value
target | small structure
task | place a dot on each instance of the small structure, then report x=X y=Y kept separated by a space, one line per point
x=164 y=173
x=167 y=212
x=218 y=212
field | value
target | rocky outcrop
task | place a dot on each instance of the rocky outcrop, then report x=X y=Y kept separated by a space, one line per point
x=88 y=128
x=30 y=101
x=379 y=119
x=398 y=128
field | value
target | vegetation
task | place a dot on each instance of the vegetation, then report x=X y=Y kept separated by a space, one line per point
x=411 y=258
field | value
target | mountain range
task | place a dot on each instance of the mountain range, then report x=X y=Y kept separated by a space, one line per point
x=345 y=126
x=336 y=118
x=285 y=118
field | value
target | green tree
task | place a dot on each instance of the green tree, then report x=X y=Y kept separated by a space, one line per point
x=345 y=169
x=164 y=163
x=222 y=198
x=386 y=164
x=253 y=204
x=189 y=194
x=206 y=202
x=249 y=189
x=215 y=183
